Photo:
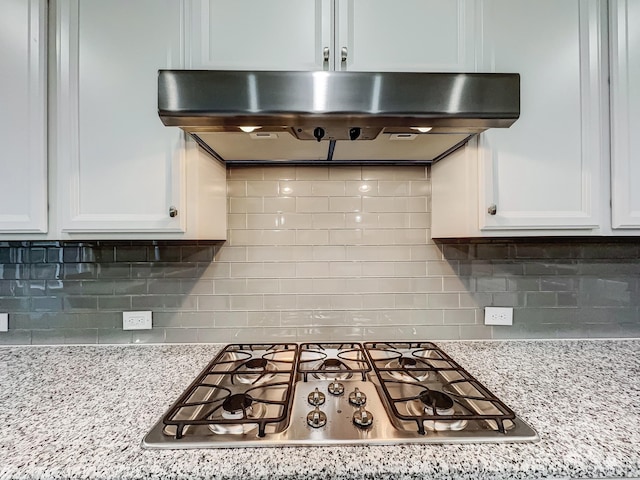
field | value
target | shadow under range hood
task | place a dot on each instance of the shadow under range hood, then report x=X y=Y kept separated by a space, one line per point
x=337 y=118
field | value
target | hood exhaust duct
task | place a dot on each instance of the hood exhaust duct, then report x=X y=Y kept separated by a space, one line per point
x=353 y=118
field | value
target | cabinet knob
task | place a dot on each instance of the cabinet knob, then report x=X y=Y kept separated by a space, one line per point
x=492 y=210
x=173 y=212
x=325 y=54
x=343 y=54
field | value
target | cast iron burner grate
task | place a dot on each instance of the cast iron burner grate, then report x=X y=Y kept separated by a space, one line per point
x=422 y=384
x=332 y=361
x=241 y=380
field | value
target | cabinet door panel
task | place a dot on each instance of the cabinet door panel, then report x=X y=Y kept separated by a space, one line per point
x=406 y=35
x=23 y=81
x=625 y=115
x=119 y=168
x=545 y=171
x=259 y=35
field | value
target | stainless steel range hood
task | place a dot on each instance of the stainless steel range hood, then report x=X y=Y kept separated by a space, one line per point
x=251 y=117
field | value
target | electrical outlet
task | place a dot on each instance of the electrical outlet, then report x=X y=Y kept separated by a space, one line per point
x=136 y=321
x=4 y=322
x=498 y=316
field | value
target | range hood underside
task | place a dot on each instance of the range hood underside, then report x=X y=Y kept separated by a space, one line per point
x=387 y=149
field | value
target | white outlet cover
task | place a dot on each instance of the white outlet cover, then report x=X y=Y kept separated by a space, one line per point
x=4 y=322
x=137 y=320
x=498 y=316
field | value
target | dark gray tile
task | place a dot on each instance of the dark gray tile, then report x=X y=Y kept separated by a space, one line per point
x=38 y=255
x=46 y=271
x=114 y=270
x=46 y=304
x=118 y=302
x=552 y=268
x=129 y=287
x=164 y=285
x=15 y=337
x=110 y=336
x=152 y=302
x=609 y=250
x=541 y=299
x=165 y=254
x=491 y=284
x=181 y=335
x=492 y=251
x=542 y=251
x=80 y=270
x=508 y=299
x=135 y=253
x=84 y=302
x=14 y=304
x=197 y=253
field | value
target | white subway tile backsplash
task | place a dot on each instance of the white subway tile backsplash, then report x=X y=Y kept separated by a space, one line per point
x=345 y=204
x=329 y=189
x=279 y=204
x=262 y=188
x=328 y=220
x=312 y=173
x=246 y=205
x=345 y=173
x=312 y=204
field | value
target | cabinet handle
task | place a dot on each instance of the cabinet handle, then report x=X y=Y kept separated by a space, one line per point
x=492 y=210
x=173 y=212
x=343 y=54
x=325 y=54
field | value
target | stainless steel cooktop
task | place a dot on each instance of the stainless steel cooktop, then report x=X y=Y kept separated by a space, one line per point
x=289 y=394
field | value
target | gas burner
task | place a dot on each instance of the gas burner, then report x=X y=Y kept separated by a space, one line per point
x=335 y=369
x=237 y=407
x=256 y=371
x=403 y=369
x=444 y=405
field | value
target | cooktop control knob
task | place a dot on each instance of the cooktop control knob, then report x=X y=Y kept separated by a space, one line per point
x=357 y=398
x=316 y=418
x=362 y=418
x=316 y=397
x=336 y=388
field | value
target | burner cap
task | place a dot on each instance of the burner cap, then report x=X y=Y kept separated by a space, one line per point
x=407 y=362
x=332 y=363
x=442 y=400
x=256 y=363
x=237 y=402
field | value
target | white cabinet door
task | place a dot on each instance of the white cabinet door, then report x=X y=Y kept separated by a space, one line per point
x=625 y=114
x=260 y=35
x=546 y=171
x=118 y=168
x=23 y=121
x=406 y=35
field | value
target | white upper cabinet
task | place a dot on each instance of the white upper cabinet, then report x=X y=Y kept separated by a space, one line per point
x=260 y=35
x=625 y=114
x=118 y=168
x=546 y=174
x=23 y=120
x=120 y=173
x=405 y=35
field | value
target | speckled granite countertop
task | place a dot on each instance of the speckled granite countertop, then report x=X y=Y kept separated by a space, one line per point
x=81 y=412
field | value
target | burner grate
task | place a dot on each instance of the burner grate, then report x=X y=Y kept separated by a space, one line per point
x=422 y=384
x=332 y=361
x=244 y=377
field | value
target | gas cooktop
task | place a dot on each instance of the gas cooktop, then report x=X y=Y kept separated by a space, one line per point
x=289 y=394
